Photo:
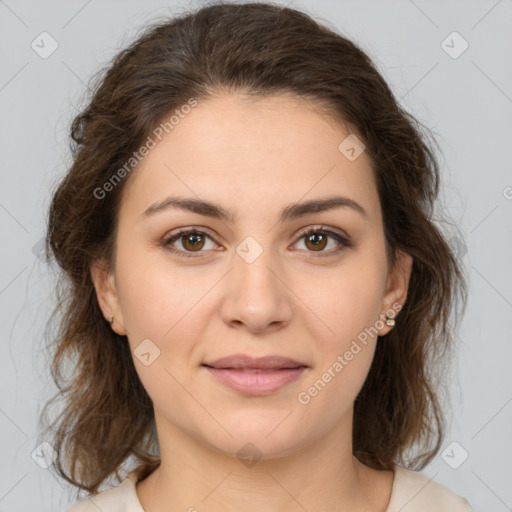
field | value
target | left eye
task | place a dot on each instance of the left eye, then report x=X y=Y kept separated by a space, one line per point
x=318 y=237
x=193 y=241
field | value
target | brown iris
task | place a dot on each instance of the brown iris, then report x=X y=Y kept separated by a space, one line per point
x=193 y=238
x=319 y=240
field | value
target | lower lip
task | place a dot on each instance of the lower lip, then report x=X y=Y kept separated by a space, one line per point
x=256 y=382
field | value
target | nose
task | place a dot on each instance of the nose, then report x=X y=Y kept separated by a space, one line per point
x=256 y=296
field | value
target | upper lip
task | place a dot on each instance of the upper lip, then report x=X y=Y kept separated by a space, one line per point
x=242 y=361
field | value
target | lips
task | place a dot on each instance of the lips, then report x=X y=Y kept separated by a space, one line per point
x=243 y=362
x=255 y=376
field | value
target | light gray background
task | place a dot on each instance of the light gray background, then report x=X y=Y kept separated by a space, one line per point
x=467 y=101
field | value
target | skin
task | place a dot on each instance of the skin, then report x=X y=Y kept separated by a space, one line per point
x=253 y=158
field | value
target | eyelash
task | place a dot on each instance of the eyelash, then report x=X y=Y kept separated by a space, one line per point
x=343 y=241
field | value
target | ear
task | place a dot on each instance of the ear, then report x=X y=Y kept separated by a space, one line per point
x=397 y=287
x=106 y=292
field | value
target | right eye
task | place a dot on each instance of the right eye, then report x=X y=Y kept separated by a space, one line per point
x=192 y=240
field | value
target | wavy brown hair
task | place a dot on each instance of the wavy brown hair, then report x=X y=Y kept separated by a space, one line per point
x=253 y=49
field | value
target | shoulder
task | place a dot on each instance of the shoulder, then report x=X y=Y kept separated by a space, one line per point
x=414 y=492
x=122 y=498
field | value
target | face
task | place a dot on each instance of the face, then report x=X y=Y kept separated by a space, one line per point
x=252 y=282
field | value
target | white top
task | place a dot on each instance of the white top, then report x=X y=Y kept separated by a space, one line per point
x=411 y=492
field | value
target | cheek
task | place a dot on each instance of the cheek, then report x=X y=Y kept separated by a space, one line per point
x=160 y=307
x=165 y=305
x=350 y=306
x=349 y=301
x=155 y=296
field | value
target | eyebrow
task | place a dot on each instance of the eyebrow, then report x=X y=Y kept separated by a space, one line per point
x=291 y=212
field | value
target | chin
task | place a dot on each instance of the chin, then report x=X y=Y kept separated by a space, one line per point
x=257 y=437
x=251 y=449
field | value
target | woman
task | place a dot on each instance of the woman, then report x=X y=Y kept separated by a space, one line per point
x=256 y=293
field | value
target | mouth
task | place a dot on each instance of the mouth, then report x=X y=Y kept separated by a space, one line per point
x=245 y=362
x=254 y=370
x=255 y=376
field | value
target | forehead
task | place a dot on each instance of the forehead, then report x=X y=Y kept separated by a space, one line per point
x=243 y=151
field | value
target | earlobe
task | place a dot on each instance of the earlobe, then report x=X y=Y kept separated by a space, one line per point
x=107 y=295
